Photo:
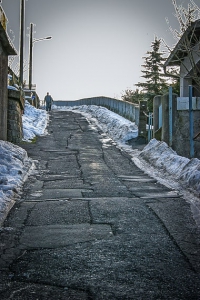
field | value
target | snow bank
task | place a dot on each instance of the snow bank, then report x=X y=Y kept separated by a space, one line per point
x=162 y=157
x=14 y=166
x=10 y=87
x=34 y=122
x=117 y=127
x=14 y=162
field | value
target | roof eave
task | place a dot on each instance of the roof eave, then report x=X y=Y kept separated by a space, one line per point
x=174 y=59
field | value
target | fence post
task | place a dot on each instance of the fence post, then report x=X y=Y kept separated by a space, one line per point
x=150 y=124
x=170 y=116
x=191 y=121
x=156 y=114
x=142 y=122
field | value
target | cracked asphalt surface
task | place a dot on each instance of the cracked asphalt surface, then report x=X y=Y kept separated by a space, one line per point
x=91 y=225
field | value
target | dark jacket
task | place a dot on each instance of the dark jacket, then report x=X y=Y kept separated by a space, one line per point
x=48 y=99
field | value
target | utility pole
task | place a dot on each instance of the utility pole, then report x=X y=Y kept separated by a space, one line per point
x=30 y=56
x=21 y=64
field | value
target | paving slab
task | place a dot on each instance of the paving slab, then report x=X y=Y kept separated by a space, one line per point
x=66 y=184
x=153 y=195
x=61 y=212
x=149 y=189
x=127 y=215
x=55 y=236
x=57 y=194
x=55 y=177
x=181 y=225
x=127 y=177
x=136 y=179
x=122 y=267
x=19 y=215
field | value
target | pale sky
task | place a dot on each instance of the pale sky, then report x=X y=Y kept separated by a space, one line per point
x=97 y=45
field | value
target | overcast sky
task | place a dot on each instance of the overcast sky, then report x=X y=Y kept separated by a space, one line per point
x=97 y=45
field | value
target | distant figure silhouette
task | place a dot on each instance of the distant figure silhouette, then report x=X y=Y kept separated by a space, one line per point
x=48 y=101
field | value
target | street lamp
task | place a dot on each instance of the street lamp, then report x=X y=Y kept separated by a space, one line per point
x=32 y=41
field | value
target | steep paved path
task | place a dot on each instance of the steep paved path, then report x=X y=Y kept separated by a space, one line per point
x=91 y=225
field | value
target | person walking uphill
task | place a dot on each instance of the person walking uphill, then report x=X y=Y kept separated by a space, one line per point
x=48 y=101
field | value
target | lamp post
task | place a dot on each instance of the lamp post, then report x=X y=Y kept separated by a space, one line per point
x=32 y=41
x=21 y=67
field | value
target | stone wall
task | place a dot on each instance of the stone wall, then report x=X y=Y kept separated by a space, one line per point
x=180 y=126
x=181 y=141
x=5 y=50
x=15 y=110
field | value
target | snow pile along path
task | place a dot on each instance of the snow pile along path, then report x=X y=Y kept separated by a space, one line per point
x=162 y=157
x=34 y=122
x=115 y=126
x=157 y=158
x=14 y=166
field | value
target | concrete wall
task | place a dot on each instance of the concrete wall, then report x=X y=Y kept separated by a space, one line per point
x=128 y=110
x=15 y=110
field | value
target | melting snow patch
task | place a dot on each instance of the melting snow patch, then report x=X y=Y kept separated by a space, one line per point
x=115 y=126
x=14 y=166
x=162 y=157
x=34 y=122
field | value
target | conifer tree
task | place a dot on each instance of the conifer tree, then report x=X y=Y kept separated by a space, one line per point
x=133 y=96
x=155 y=83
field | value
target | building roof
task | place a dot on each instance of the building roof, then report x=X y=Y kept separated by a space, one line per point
x=178 y=53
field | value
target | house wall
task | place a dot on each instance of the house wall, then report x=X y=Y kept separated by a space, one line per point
x=186 y=69
x=184 y=86
x=15 y=110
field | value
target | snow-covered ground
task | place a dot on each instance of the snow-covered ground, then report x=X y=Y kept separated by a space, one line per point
x=15 y=165
x=156 y=159
x=34 y=122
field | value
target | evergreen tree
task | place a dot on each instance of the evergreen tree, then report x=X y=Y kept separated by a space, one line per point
x=132 y=96
x=155 y=83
